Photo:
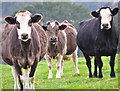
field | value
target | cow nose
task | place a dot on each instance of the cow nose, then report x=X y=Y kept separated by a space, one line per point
x=105 y=25
x=24 y=36
x=53 y=39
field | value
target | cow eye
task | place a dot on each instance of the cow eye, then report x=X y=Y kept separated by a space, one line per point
x=30 y=22
x=18 y=24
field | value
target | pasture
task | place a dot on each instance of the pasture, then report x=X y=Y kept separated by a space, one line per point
x=70 y=80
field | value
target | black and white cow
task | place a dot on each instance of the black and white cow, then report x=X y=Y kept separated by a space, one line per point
x=99 y=37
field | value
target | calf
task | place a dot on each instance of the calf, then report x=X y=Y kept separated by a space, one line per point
x=60 y=43
x=99 y=37
x=56 y=45
x=23 y=45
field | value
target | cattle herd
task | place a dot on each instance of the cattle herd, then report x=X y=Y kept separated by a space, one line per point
x=24 y=43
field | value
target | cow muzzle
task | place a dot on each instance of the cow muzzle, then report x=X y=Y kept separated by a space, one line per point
x=105 y=26
x=53 y=40
x=24 y=37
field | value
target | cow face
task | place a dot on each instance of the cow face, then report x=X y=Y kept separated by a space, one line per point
x=105 y=14
x=23 y=22
x=52 y=30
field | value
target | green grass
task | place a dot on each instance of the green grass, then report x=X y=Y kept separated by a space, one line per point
x=70 y=80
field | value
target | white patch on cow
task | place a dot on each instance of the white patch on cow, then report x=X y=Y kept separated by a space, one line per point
x=49 y=65
x=105 y=17
x=23 y=18
x=32 y=81
x=52 y=24
x=16 y=86
x=58 y=66
x=65 y=48
x=75 y=60
x=62 y=64
x=26 y=78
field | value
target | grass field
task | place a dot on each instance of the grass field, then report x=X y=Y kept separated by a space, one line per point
x=70 y=80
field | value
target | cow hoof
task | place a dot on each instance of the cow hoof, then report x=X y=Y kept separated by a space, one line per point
x=58 y=76
x=16 y=89
x=112 y=75
x=49 y=77
x=77 y=71
x=95 y=75
x=90 y=76
x=100 y=76
x=61 y=74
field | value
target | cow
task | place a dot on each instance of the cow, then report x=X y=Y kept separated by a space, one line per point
x=71 y=34
x=99 y=37
x=61 y=41
x=23 y=45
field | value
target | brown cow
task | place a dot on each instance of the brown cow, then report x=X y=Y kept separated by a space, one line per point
x=60 y=43
x=71 y=44
x=23 y=45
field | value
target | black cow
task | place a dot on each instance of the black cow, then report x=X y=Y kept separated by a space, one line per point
x=99 y=37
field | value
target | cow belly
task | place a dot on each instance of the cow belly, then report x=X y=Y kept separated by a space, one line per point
x=69 y=52
x=106 y=51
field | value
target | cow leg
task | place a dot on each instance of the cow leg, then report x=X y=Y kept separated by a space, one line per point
x=75 y=61
x=15 y=75
x=58 y=66
x=100 y=65
x=95 y=68
x=112 y=64
x=88 y=63
x=32 y=73
x=49 y=65
x=19 y=72
x=26 y=78
x=62 y=64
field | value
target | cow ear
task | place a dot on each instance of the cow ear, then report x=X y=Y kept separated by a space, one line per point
x=10 y=20
x=115 y=11
x=56 y=22
x=62 y=27
x=36 y=18
x=44 y=27
x=95 y=14
x=48 y=22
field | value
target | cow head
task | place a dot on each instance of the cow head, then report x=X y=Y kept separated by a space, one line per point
x=105 y=14
x=52 y=30
x=23 y=21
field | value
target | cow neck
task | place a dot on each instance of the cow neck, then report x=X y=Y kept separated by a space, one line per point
x=25 y=45
x=52 y=46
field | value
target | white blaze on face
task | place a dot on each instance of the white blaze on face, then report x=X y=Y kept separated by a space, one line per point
x=23 y=18
x=105 y=17
x=52 y=24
